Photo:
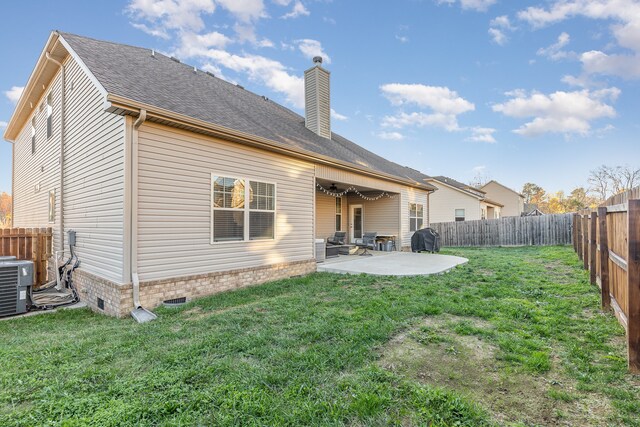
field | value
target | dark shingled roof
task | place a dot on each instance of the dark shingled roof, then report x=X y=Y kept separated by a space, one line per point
x=132 y=72
x=457 y=184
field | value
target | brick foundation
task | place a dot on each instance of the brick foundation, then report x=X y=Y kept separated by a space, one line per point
x=118 y=299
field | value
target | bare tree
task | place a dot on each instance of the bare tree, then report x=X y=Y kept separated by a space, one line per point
x=607 y=181
x=480 y=179
x=599 y=182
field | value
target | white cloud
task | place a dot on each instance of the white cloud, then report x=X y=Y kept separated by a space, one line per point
x=502 y=22
x=192 y=44
x=268 y=72
x=626 y=30
x=337 y=116
x=481 y=134
x=156 y=32
x=298 y=10
x=244 y=10
x=171 y=14
x=559 y=112
x=402 y=39
x=479 y=169
x=498 y=29
x=311 y=48
x=247 y=34
x=555 y=52
x=14 y=93
x=626 y=66
x=448 y=122
x=391 y=136
x=440 y=99
x=498 y=36
x=477 y=5
x=445 y=106
x=3 y=124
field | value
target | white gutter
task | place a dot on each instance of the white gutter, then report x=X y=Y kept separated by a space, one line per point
x=134 y=209
x=62 y=110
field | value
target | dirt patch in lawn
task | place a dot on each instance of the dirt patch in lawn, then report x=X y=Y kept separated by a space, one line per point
x=433 y=354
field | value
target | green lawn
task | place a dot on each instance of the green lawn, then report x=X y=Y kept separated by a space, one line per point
x=514 y=337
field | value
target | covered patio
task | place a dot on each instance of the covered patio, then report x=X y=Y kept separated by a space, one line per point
x=356 y=209
x=392 y=264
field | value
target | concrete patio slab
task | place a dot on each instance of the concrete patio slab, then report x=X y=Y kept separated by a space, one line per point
x=392 y=264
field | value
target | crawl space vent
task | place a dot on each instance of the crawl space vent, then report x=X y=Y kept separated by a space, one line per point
x=174 y=302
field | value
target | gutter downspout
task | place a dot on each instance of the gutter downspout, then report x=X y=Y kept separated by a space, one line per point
x=62 y=111
x=139 y=313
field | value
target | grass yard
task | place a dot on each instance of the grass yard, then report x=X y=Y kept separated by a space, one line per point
x=514 y=337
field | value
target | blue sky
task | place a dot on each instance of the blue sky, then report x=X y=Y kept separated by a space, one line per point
x=530 y=91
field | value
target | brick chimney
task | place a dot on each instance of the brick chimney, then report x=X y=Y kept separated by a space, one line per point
x=317 y=99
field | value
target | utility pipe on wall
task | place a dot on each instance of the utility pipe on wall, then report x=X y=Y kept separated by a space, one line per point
x=134 y=208
x=62 y=110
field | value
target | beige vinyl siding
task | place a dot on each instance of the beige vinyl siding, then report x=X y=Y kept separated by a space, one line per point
x=93 y=174
x=175 y=199
x=381 y=216
x=513 y=203
x=411 y=195
x=326 y=215
x=41 y=169
x=446 y=200
x=94 y=178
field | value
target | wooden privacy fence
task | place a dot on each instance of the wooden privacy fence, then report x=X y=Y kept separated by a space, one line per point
x=507 y=231
x=607 y=240
x=32 y=244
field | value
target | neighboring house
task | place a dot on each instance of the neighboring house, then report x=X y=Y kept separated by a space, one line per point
x=455 y=201
x=512 y=201
x=180 y=184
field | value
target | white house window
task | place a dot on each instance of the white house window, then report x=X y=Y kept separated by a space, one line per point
x=338 y=214
x=416 y=215
x=235 y=220
x=262 y=210
x=33 y=135
x=483 y=213
x=459 y=214
x=228 y=209
x=49 y=116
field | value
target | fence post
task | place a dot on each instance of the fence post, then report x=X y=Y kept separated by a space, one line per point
x=574 y=232
x=592 y=247
x=579 y=235
x=585 y=241
x=604 y=258
x=633 y=285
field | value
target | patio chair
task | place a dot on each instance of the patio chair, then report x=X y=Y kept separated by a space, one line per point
x=367 y=242
x=338 y=238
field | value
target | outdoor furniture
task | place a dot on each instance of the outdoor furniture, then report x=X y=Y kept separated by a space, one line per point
x=367 y=242
x=338 y=238
x=332 y=251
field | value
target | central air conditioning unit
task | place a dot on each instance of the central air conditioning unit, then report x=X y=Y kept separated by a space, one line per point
x=16 y=278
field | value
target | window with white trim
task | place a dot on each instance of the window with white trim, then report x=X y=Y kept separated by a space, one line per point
x=232 y=218
x=338 y=214
x=33 y=135
x=483 y=213
x=262 y=210
x=49 y=116
x=459 y=214
x=52 y=206
x=416 y=216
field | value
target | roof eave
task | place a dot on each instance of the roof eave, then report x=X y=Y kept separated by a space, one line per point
x=124 y=106
x=31 y=93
